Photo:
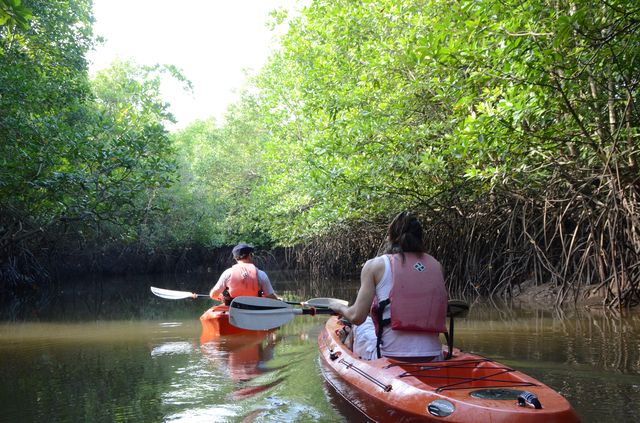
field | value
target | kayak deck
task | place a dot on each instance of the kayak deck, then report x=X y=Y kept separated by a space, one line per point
x=469 y=387
x=462 y=373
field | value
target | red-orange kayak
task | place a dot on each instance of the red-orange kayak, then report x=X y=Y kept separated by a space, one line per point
x=215 y=323
x=464 y=388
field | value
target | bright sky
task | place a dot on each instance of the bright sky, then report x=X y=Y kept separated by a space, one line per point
x=212 y=41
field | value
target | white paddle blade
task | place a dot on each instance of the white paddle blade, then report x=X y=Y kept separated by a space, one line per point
x=261 y=319
x=171 y=294
x=325 y=302
x=258 y=303
x=257 y=313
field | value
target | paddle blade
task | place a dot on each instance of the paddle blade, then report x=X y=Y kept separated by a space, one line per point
x=258 y=303
x=171 y=294
x=324 y=302
x=257 y=313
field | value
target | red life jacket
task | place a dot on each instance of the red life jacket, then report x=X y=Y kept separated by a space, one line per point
x=418 y=297
x=244 y=281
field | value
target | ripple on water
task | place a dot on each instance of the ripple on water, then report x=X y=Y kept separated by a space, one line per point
x=170 y=348
x=211 y=414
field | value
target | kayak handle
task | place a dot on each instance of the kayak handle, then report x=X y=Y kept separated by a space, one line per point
x=529 y=398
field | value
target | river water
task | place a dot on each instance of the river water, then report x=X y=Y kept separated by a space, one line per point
x=109 y=351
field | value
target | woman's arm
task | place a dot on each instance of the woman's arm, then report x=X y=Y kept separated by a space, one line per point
x=372 y=272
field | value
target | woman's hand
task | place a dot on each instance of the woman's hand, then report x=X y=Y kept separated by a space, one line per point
x=337 y=307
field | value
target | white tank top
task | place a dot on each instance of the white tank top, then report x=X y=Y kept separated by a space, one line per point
x=397 y=343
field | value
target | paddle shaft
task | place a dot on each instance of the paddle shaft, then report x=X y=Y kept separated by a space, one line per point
x=313 y=311
x=169 y=294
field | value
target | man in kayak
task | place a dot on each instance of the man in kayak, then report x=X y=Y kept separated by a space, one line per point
x=242 y=279
x=401 y=306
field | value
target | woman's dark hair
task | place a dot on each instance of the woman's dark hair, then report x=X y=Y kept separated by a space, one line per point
x=404 y=235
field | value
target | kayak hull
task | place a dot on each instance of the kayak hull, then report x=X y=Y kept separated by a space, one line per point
x=386 y=390
x=215 y=323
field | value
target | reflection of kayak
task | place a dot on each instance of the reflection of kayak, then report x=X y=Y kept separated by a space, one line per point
x=243 y=357
x=241 y=353
x=215 y=323
x=465 y=388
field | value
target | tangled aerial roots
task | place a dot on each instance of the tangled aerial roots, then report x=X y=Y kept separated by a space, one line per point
x=581 y=236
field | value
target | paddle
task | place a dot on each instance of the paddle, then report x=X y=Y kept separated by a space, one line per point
x=170 y=294
x=257 y=313
x=322 y=302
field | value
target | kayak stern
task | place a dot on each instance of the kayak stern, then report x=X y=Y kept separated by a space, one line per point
x=215 y=323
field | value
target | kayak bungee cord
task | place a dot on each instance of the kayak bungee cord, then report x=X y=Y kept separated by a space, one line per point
x=467 y=380
x=385 y=387
x=466 y=364
x=435 y=365
x=500 y=383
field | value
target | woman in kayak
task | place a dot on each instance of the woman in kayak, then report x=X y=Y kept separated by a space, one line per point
x=242 y=279
x=401 y=306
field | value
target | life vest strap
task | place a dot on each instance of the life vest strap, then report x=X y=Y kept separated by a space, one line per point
x=381 y=323
x=227 y=298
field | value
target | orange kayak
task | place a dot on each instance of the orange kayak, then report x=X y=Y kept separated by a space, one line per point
x=464 y=388
x=215 y=323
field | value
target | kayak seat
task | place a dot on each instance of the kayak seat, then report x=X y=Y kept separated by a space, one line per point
x=455 y=308
x=400 y=360
x=345 y=322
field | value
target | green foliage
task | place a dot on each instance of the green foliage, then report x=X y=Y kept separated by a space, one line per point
x=43 y=92
x=372 y=107
x=131 y=157
x=221 y=169
x=79 y=158
x=13 y=13
x=195 y=210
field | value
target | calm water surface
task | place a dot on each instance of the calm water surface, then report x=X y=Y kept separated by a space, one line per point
x=80 y=363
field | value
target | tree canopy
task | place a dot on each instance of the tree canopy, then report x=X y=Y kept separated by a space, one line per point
x=511 y=127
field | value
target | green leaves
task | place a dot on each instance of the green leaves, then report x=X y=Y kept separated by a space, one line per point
x=379 y=106
x=14 y=14
x=367 y=108
x=79 y=156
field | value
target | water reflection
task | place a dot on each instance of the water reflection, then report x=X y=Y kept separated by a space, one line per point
x=248 y=377
x=169 y=348
x=244 y=359
x=579 y=337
